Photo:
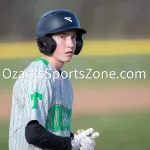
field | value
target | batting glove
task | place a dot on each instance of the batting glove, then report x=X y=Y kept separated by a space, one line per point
x=89 y=132
x=76 y=142
x=87 y=140
x=87 y=143
x=80 y=138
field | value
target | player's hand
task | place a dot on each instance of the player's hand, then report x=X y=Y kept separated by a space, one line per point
x=82 y=142
x=87 y=140
x=80 y=139
x=84 y=139
x=87 y=143
x=89 y=132
x=76 y=142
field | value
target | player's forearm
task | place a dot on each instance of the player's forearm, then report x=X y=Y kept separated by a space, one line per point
x=36 y=135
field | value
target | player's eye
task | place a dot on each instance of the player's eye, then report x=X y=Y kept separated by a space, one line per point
x=74 y=37
x=63 y=37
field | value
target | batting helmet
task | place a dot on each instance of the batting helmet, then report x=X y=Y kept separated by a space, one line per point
x=56 y=21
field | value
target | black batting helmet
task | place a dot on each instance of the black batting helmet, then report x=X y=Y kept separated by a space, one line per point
x=56 y=21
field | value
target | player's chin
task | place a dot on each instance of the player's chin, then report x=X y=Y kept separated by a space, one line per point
x=67 y=59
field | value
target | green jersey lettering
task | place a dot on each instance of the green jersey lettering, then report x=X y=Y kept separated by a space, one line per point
x=58 y=118
x=34 y=99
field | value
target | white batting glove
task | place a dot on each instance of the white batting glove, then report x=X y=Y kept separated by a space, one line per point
x=89 y=132
x=87 y=143
x=76 y=142
x=79 y=138
x=84 y=139
x=82 y=142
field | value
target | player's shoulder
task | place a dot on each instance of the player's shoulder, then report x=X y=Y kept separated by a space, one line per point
x=35 y=70
x=34 y=74
x=39 y=64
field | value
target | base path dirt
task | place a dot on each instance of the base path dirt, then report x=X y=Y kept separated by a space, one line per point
x=97 y=100
x=111 y=99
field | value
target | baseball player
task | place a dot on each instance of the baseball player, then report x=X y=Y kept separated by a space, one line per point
x=42 y=99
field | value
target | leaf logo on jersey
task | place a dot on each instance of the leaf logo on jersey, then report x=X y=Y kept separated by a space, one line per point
x=59 y=118
x=35 y=97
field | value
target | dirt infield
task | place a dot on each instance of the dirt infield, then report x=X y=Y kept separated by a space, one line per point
x=97 y=100
x=112 y=99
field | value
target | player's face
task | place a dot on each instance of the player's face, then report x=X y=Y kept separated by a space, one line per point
x=66 y=44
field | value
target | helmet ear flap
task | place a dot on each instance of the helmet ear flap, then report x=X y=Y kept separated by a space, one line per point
x=40 y=43
x=51 y=44
x=79 y=45
x=46 y=45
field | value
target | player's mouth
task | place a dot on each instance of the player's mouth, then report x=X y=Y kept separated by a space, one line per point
x=69 y=53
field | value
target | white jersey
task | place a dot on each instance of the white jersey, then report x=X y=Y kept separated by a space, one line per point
x=38 y=95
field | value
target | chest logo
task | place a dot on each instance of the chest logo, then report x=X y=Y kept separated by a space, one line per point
x=35 y=97
x=59 y=118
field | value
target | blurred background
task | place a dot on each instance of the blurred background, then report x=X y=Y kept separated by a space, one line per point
x=118 y=39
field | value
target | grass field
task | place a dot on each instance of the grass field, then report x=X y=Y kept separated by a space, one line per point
x=96 y=63
x=126 y=131
x=90 y=48
x=120 y=131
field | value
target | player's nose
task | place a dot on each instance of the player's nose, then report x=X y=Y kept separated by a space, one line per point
x=70 y=42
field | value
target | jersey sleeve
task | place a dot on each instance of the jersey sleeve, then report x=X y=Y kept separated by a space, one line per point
x=39 y=96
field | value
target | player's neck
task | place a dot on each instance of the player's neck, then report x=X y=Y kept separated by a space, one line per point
x=55 y=63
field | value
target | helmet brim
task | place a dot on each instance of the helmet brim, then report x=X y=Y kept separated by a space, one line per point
x=79 y=30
